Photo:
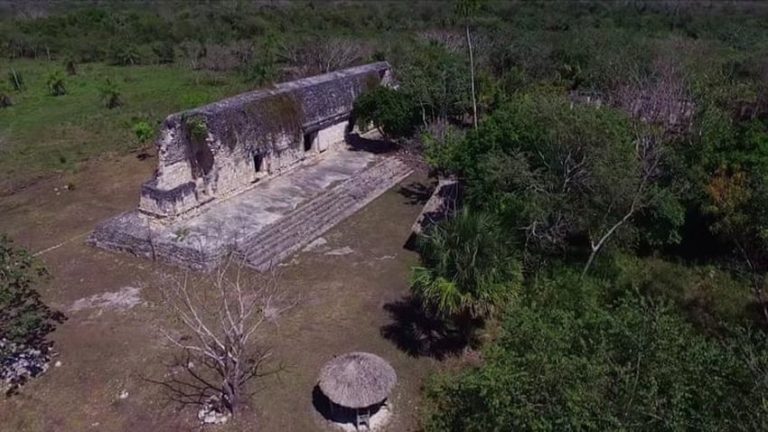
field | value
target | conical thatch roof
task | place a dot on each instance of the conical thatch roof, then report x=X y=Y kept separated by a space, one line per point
x=357 y=379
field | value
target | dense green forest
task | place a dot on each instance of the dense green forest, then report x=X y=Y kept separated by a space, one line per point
x=609 y=263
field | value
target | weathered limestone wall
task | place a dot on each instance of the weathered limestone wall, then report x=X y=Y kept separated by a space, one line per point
x=331 y=135
x=223 y=148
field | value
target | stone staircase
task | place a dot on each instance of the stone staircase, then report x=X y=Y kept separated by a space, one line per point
x=276 y=242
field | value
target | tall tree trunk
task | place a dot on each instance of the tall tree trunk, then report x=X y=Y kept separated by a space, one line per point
x=472 y=76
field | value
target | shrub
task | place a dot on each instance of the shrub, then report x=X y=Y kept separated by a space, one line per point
x=259 y=65
x=143 y=131
x=437 y=82
x=25 y=320
x=198 y=130
x=17 y=80
x=260 y=73
x=55 y=84
x=392 y=112
x=110 y=94
x=218 y=57
x=635 y=365
x=71 y=67
x=441 y=143
x=164 y=51
x=123 y=54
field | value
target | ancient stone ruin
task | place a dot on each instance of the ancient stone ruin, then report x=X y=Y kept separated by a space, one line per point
x=258 y=175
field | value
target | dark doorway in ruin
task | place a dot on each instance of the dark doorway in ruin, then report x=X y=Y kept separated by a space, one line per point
x=309 y=140
x=258 y=162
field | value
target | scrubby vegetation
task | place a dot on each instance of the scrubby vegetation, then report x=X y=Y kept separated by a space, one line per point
x=621 y=163
x=110 y=94
x=595 y=355
x=23 y=317
x=25 y=321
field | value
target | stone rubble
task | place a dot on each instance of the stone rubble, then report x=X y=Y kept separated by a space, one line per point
x=20 y=363
x=346 y=250
x=213 y=411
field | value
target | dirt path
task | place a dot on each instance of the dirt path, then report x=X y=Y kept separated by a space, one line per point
x=110 y=345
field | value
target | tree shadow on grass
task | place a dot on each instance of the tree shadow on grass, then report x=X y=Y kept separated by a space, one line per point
x=419 y=334
x=191 y=381
x=375 y=146
x=184 y=385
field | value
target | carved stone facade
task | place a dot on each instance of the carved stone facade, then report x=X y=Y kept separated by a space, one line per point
x=223 y=148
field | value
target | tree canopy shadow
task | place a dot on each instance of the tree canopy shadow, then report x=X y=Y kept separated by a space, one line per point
x=418 y=333
x=375 y=146
x=183 y=384
x=192 y=384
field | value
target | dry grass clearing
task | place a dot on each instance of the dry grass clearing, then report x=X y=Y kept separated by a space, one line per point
x=111 y=347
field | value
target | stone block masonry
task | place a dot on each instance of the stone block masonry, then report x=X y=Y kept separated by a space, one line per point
x=259 y=175
x=222 y=149
x=263 y=225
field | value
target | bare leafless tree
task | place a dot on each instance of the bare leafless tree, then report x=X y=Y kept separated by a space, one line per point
x=319 y=55
x=225 y=318
x=191 y=53
x=661 y=98
x=452 y=41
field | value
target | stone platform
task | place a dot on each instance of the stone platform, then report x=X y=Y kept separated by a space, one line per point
x=266 y=223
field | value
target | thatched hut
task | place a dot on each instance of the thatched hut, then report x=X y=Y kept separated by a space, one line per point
x=357 y=386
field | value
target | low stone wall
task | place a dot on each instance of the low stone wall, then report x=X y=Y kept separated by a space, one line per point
x=132 y=232
x=443 y=203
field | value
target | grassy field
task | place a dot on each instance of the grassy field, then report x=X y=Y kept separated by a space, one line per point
x=43 y=134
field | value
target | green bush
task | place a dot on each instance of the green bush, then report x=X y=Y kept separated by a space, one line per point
x=164 y=51
x=260 y=73
x=587 y=365
x=143 y=131
x=16 y=79
x=556 y=173
x=55 y=84
x=706 y=295
x=71 y=67
x=198 y=129
x=436 y=79
x=124 y=54
x=24 y=318
x=441 y=142
x=110 y=94
x=389 y=110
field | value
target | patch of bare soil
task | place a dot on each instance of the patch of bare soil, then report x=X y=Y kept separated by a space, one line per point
x=110 y=349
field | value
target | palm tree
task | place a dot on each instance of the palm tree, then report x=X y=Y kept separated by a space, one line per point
x=468 y=272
